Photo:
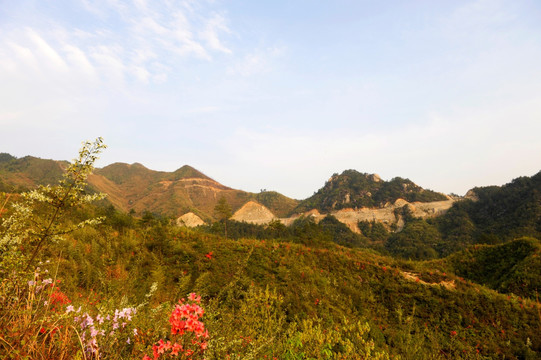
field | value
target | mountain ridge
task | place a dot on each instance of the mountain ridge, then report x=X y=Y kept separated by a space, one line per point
x=352 y=196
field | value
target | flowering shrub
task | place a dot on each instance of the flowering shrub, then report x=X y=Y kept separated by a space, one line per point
x=106 y=330
x=187 y=330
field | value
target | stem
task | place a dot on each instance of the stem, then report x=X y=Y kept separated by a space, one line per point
x=46 y=233
x=80 y=341
x=4 y=204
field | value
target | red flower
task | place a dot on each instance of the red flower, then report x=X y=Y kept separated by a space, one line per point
x=453 y=333
x=209 y=255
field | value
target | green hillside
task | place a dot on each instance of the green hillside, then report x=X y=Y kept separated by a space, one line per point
x=135 y=187
x=514 y=267
x=412 y=310
x=21 y=174
x=75 y=289
x=353 y=189
x=496 y=215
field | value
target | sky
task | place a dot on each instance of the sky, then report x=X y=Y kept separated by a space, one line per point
x=280 y=94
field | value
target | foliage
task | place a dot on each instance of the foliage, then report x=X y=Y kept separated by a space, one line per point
x=32 y=226
x=373 y=230
x=352 y=189
x=294 y=293
x=514 y=267
x=497 y=214
x=418 y=241
x=224 y=212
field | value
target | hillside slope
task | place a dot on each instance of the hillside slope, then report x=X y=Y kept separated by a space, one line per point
x=514 y=267
x=353 y=189
x=413 y=309
x=495 y=214
x=135 y=187
x=21 y=174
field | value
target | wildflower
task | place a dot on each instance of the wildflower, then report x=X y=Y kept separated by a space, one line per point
x=209 y=255
x=69 y=309
x=194 y=297
x=175 y=349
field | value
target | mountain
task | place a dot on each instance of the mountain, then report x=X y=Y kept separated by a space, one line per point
x=175 y=193
x=495 y=214
x=21 y=174
x=135 y=187
x=488 y=215
x=353 y=189
x=513 y=267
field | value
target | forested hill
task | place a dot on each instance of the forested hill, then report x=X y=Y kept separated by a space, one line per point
x=496 y=213
x=21 y=174
x=354 y=189
x=490 y=215
x=135 y=187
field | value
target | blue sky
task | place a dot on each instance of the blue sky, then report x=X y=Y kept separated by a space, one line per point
x=279 y=94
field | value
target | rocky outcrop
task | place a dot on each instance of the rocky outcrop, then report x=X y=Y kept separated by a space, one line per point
x=388 y=215
x=471 y=195
x=190 y=220
x=253 y=212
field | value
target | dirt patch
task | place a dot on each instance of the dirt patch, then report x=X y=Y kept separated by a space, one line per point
x=254 y=213
x=190 y=220
x=449 y=285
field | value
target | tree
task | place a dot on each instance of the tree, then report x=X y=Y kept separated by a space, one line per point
x=223 y=211
x=38 y=218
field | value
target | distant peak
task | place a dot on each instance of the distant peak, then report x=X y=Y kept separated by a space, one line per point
x=187 y=171
x=6 y=157
x=138 y=165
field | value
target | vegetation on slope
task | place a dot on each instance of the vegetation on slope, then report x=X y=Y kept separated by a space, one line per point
x=108 y=291
x=514 y=267
x=22 y=174
x=353 y=189
x=135 y=187
x=499 y=213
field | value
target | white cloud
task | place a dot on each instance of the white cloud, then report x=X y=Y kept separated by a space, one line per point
x=447 y=153
x=257 y=62
x=214 y=26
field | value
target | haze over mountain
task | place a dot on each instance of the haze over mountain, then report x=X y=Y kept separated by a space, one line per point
x=135 y=187
x=480 y=300
x=500 y=213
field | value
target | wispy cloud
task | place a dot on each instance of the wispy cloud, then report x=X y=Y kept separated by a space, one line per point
x=259 y=61
x=137 y=40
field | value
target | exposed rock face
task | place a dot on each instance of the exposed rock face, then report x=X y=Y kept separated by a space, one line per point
x=254 y=213
x=190 y=220
x=385 y=215
x=471 y=195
